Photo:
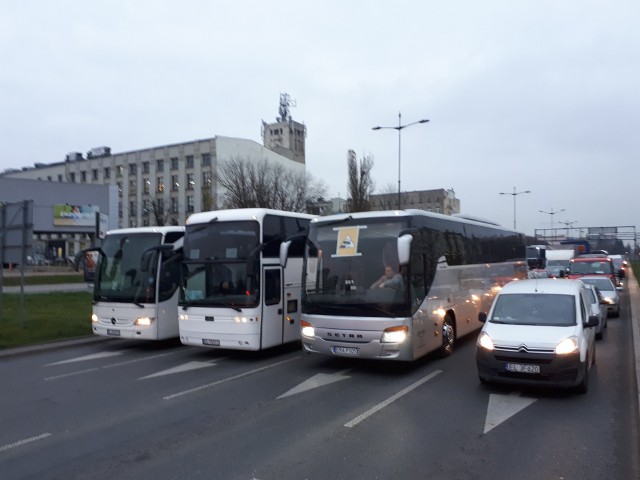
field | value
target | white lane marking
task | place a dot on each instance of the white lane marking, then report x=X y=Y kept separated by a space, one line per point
x=391 y=399
x=228 y=379
x=503 y=407
x=185 y=367
x=104 y=367
x=84 y=358
x=24 y=442
x=318 y=380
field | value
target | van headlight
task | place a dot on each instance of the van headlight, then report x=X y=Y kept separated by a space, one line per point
x=484 y=341
x=395 y=334
x=566 y=346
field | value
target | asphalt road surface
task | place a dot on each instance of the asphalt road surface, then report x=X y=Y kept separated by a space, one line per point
x=132 y=410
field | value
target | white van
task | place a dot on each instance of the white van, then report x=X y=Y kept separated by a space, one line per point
x=538 y=332
x=558 y=261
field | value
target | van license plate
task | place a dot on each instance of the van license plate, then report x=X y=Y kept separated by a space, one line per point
x=209 y=341
x=522 y=368
x=345 y=350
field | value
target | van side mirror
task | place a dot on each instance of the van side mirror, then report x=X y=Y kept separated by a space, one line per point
x=482 y=316
x=592 y=321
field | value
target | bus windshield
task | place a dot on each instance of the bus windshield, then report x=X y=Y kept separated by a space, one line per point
x=351 y=269
x=118 y=277
x=220 y=264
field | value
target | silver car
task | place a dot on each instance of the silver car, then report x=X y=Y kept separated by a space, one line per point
x=599 y=308
x=608 y=291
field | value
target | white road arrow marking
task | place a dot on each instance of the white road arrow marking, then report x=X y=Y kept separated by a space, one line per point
x=93 y=356
x=503 y=407
x=185 y=367
x=318 y=380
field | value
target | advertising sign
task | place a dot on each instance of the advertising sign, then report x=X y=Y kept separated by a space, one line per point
x=75 y=215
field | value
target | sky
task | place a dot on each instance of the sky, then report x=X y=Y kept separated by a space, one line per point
x=520 y=95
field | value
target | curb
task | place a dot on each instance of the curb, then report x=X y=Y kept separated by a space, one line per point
x=55 y=345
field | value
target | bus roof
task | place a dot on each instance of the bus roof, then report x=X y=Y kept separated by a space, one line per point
x=411 y=213
x=241 y=214
x=155 y=229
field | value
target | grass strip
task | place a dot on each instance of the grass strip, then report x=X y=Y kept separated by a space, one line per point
x=46 y=317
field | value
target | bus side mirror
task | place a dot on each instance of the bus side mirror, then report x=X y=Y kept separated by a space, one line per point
x=404 y=248
x=284 y=253
x=482 y=316
x=147 y=255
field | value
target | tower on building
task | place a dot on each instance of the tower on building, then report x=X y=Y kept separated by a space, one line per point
x=285 y=136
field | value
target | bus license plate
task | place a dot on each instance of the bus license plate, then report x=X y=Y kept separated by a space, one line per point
x=113 y=332
x=522 y=368
x=345 y=350
x=209 y=341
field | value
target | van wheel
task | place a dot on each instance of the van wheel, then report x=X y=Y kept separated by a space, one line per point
x=448 y=337
x=583 y=386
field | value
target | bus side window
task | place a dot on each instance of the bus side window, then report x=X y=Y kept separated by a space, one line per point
x=272 y=287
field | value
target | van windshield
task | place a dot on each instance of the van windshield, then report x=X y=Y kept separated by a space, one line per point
x=535 y=309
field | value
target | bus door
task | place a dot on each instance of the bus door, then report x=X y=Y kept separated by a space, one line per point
x=272 y=308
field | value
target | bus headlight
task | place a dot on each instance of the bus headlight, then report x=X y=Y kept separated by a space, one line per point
x=484 y=341
x=307 y=329
x=144 y=321
x=395 y=334
x=94 y=318
x=566 y=346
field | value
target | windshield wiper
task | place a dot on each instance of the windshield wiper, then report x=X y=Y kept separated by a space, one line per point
x=209 y=304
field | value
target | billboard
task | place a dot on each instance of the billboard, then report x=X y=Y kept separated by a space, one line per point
x=75 y=215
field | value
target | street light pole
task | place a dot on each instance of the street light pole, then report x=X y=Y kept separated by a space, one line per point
x=399 y=128
x=552 y=213
x=515 y=194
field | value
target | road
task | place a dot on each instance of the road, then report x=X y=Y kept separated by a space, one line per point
x=124 y=409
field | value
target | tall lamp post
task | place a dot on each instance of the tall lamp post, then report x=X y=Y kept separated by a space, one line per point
x=399 y=128
x=514 y=194
x=552 y=213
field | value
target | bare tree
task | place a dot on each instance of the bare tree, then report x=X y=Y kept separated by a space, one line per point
x=361 y=184
x=262 y=184
x=156 y=211
x=388 y=197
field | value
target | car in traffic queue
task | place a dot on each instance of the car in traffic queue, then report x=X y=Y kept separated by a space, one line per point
x=599 y=308
x=538 y=332
x=608 y=290
x=595 y=264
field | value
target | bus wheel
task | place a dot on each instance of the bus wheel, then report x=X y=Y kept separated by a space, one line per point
x=448 y=337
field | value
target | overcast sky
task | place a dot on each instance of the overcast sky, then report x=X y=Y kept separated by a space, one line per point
x=527 y=94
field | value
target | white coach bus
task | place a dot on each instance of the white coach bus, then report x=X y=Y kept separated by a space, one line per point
x=234 y=292
x=397 y=285
x=136 y=281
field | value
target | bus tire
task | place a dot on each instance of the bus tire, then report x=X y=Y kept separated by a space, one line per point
x=448 y=336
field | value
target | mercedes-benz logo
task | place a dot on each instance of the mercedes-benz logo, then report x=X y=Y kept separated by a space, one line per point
x=113 y=320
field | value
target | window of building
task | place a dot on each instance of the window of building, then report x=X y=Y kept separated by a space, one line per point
x=160 y=184
x=206 y=159
x=160 y=165
x=174 y=163
x=206 y=179
x=190 y=204
x=59 y=177
x=119 y=170
x=189 y=159
x=145 y=167
x=174 y=205
x=190 y=181
x=133 y=169
x=132 y=209
x=107 y=173
x=49 y=177
x=175 y=186
x=132 y=222
x=120 y=189
x=94 y=175
x=132 y=187
x=146 y=185
x=72 y=177
x=83 y=177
